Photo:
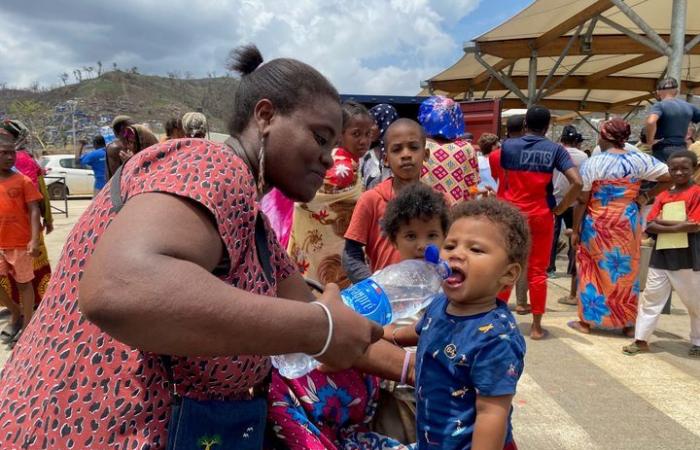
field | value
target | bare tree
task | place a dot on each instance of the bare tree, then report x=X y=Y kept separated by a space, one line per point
x=188 y=75
x=34 y=87
x=34 y=114
x=114 y=66
x=134 y=69
x=64 y=78
x=99 y=68
x=78 y=75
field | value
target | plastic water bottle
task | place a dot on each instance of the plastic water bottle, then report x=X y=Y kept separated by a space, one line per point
x=393 y=293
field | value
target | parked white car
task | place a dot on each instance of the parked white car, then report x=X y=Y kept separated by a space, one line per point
x=78 y=180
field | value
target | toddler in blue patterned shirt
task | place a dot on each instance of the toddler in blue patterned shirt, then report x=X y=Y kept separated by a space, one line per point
x=470 y=351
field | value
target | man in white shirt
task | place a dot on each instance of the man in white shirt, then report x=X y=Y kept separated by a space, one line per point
x=571 y=139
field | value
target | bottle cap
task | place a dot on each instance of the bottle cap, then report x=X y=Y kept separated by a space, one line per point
x=432 y=254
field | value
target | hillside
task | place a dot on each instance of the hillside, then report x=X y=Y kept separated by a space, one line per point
x=146 y=98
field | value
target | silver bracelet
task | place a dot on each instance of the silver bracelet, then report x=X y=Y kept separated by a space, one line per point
x=330 y=330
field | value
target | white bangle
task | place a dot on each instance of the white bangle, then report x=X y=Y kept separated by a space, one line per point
x=330 y=330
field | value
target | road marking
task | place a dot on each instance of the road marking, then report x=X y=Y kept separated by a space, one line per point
x=667 y=388
x=542 y=423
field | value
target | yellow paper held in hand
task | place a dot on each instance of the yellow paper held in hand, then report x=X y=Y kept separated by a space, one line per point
x=673 y=211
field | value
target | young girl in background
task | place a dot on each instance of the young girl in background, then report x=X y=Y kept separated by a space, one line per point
x=318 y=227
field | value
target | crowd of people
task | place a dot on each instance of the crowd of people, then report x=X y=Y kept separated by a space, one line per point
x=196 y=261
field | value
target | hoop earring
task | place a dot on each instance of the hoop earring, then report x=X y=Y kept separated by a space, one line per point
x=261 y=166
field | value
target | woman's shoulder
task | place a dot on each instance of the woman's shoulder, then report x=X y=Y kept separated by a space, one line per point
x=191 y=154
x=209 y=171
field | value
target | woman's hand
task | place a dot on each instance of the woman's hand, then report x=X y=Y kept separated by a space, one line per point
x=559 y=210
x=642 y=199
x=575 y=239
x=352 y=333
x=124 y=155
x=48 y=227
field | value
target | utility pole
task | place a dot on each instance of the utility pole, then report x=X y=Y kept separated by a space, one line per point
x=675 y=60
x=72 y=119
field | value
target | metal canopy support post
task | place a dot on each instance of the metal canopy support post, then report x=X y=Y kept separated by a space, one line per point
x=693 y=42
x=567 y=75
x=665 y=50
x=582 y=104
x=649 y=31
x=585 y=119
x=591 y=27
x=675 y=60
x=559 y=61
x=507 y=82
x=532 y=80
x=488 y=86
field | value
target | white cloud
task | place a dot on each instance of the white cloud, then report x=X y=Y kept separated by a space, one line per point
x=363 y=46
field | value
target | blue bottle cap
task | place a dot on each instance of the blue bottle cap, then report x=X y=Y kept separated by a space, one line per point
x=432 y=254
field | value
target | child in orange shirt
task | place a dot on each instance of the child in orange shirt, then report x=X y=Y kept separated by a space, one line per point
x=19 y=236
x=405 y=155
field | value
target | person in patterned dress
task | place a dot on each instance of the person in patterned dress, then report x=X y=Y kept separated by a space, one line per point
x=175 y=272
x=608 y=230
x=453 y=167
x=318 y=227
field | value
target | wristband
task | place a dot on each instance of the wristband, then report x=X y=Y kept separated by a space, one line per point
x=404 y=370
x=330 y=330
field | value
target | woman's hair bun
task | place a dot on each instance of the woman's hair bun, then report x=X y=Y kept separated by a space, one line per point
x=244 y=59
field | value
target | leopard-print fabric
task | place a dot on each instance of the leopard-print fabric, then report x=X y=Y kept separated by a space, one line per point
x=68 y=385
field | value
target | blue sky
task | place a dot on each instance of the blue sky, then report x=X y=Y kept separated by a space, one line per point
x=363 y=46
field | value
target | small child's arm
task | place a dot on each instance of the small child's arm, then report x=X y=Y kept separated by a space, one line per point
x=403 y=336
x=353 y=261
x=491 y=422
x=386 y=360
x=35 y=221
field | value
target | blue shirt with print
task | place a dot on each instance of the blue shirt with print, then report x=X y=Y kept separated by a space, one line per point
x=458 y=358
x=97 y=160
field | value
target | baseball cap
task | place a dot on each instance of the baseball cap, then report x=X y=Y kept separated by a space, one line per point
x=570 y=133
x=666 y=84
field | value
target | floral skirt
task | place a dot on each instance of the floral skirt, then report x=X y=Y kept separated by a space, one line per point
x=323 y=411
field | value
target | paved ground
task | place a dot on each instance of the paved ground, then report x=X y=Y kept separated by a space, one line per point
x=580 y=392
